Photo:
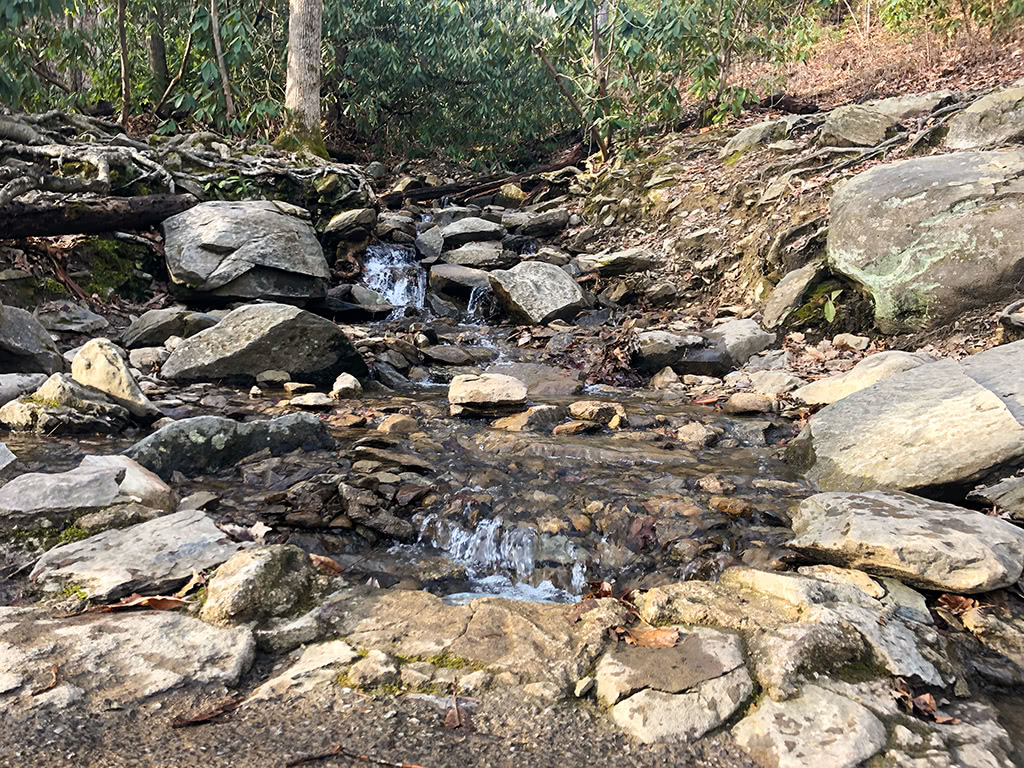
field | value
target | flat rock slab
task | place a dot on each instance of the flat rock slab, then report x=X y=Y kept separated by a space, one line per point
x=155 y=557
x=925 y=543
x=819 y=728
x=541 y=380
x=871 y=370
x=43 y=500
x=124 y=658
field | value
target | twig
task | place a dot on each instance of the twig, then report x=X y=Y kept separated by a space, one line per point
x=50 y=685
x=206 y=715
x=340 y=751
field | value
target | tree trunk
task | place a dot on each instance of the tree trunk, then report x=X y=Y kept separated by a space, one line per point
x=108 y=214
x=302 y=91
x=126 y=75
x=229 y=101
x=156 y=49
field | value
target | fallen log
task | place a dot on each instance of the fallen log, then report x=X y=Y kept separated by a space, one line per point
x=74 y=217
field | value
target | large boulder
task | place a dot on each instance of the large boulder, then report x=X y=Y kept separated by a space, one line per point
x=245 y=250
x=99 y=365
x=923 y=543
x=25 y=346
x=206 y=444
x=63 y=406
x=990 y=121
x=37 y=500
x=486 y=255
x=870 y=370
x=258 y=337
x=937 y=428
x=932 y=237
x=456 y=280
x=537 y=293
x=470 y=230
x=912 y=105
x=856 y=125
x=156 y=326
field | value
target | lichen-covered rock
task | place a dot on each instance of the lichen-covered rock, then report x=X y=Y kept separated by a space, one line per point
x=751 y=136
x=856 y=125
x=617 y=262
x=63 y=406
x=535 y=292
x=156 y=326
x=992 y=120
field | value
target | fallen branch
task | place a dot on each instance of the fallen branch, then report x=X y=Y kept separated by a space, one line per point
x=20 y=219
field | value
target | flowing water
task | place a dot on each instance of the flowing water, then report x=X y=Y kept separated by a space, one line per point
x=395 y=273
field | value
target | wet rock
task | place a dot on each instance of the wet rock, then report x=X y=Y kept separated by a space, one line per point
x=245 y=250
x=68 y=317
x=203 y=444
x=535 y=418
x=470 y=230
x=924 y=543
x=25 y=345
x=870 y=370
x=540 y=380
x=447 y=354
x=488 y=392
x=399 y=424
x=486 y=256
x=14 y=385
x=430 y=243
x=38 y=500
x=255 y=337
x=789 y=293
x=885 y=436
x=697 y=435
x=346 y=386
x=856 y=125
x=666 y=378
x=276 y=379
x=142 y=657
x=63 y=406
x=375 y=669
x=98 y=365
x=576 y=427
x=537 y=293
x=259 y=584
x=156 y=557
x=595 y=410
x=751 y=136
x=940 y=238
x=352 y=221
x=990 y=121
x=456 y=281
x=819 y=728
x=138 y=483
x=314 y=401
x=912 y=105
x=617 y=262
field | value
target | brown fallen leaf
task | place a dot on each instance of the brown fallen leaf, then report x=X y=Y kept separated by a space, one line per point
x=457 y=717
x=156 y=602
x=50 y=685
x=197 y=580
x=325 y=564
x=958 y=605
x=651 y=637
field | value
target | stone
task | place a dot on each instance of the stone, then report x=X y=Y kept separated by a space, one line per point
x=317 y=664
x=430 y=243
x=545 y=224
x=931 y=238
x=689 y=354
x=447 y=354
x=98 y=365
x=355 y=219
x=870 y=370
x=346 y=386
x=14 y=385
x=837 y=575
x=741 y=339
x=38 y=500
x=487 y=255
x=789 y=293
x=277 y=379
x=746 y=139
x=924 y=543
x=995 y=119
x=470 y=230
x=68 y=317
x=138 y=483
x=818 y=728
x=912 y=105
x=245 y=250
x=537 y=293
x=541 y=380
x=204 y=444
x=617 y=262
x=576 y=427
x=154 y=327
x=856 y=125
x=366 y=297
x=155 y=557
x=774 y=383
x=457 y=281
x=256 y=337
x=313 y=401
x=594 y=410
x=1006 y=496
x=937 y=427
x=399 y=424
x=487 y=392
x=25 y=345
x=63 y=406
x=851 y=341
x=7 y=456
x=259 y=584
x=535 y=418
x=117 y=661
x=375 y=669
x=148 y=358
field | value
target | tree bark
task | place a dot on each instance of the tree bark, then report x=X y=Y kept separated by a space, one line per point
x=126 y=75
x=156 y=49
x=20 y=219
x=229 y=101
x=302 y=90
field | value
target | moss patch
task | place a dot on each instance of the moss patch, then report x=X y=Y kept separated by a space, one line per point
x=113 y=267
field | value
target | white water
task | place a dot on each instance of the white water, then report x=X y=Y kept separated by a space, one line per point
x=476 y=297
x=394 y=273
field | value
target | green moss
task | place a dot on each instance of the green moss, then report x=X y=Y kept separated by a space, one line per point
x=296 y=137
x=70 y=534
x=447 y=660
x=861 y=671
x=52 y=285
x=73 y=590
x=112 y=266
x=43 y=401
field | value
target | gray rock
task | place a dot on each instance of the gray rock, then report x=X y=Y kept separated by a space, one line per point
x=430 y=243
x=941 y=426
x=912 y=105
x=856 y=125
x=870 y=370
x=818 y=729
x=259 y=584
x=148 y=358
x=540 y=380
x=346 y=386
x=208 y=443
x=537 y=293
x=355 y=219
x=118 y=660
x=459 y=282
x=470 y=230
x=1006 y=496
x=488 y=392
x=7 y=456
x=487 y=255
x=617 y=262
x=63 y=406
x=245 y=250
x=25 y=345
x=931 y=238
x=138 y=483
x=685 y=354
x=38 y=500
x=65 y=317
x=924 y=543
x=154 y=327
x=14 y=385
x=789 y=293
x=751 y=136
x=990 y=121
x=98 y=365
x=366 y=296
x=741 y=339
x=375 y=669
x=315 y=665
x=256 y=337
x=541 y=224
x=155 y=557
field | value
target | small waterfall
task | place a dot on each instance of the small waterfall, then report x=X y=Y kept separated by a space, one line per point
x=394 y=273
x=476 y=298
